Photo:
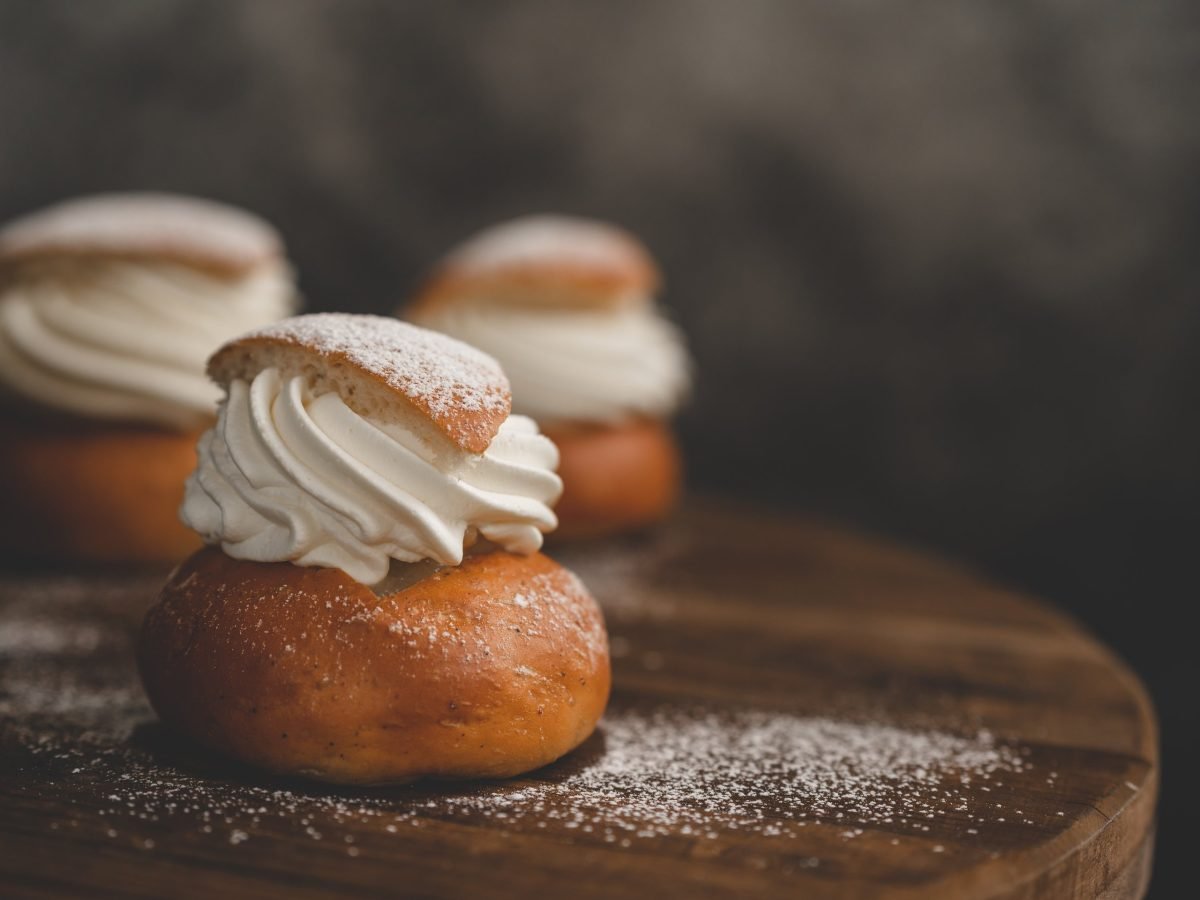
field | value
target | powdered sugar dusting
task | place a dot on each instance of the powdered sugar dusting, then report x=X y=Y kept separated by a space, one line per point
x=546 y=608
x=548 y=239
x=137 y=223
x=442 y=376
x=672 y=771
x=34 y=635
x=552 y=602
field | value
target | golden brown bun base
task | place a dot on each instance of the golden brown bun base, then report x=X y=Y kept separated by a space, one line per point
x=487 y=669
x=615 y=478
x=93 y=492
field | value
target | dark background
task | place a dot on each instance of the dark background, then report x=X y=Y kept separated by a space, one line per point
x=939 y=264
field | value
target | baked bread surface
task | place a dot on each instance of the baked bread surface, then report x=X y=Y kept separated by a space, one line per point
x=615 y=477
x=188 y=231
x=94 y=492
x=544 y=261
x=488 y=669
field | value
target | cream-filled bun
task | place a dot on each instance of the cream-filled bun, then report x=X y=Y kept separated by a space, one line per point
x=109 y=307
x=373 y=606
x=567 y=307
x=352 y=441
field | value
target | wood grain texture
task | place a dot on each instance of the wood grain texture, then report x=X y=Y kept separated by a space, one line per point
x=725 y=611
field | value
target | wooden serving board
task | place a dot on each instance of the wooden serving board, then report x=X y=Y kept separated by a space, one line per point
x=796 y=709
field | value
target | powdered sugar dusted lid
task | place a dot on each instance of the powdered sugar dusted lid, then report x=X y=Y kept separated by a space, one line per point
x=380 y=367
x=546 y=260
x=186 y=230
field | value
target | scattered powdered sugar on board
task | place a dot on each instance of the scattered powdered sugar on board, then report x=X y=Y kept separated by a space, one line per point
x=668 y=773
x=674 y=771
x=36 y=635
x=66 y=656
x=74 y=724
x=35 y=691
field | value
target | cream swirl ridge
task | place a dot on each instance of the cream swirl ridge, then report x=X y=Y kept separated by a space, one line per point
x=128 y=340
x=288 y=476
x=577 y=365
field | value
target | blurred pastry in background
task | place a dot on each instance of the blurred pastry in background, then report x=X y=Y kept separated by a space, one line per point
x=567 y=305
x=109 y=307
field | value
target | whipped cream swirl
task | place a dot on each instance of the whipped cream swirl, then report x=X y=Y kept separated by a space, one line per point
x=128 y=340
x=288 y=476
x=577 y=365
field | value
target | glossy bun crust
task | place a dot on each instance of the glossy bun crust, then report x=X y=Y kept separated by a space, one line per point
x=93 y=492
x=488 y=669
x=615 y=478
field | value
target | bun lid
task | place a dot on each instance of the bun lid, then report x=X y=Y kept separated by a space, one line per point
x=201 y=234
x=381 y=368
x=545 y=261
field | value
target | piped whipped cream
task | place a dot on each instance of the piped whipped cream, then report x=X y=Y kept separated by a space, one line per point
x=569 y=365
x=128 y=340
x=286 y=475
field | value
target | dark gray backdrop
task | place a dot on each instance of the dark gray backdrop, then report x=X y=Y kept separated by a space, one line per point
x=938 y=262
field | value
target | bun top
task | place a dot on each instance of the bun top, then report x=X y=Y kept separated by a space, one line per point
x=382 y=368
x=201 y=234
x=545 y=261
